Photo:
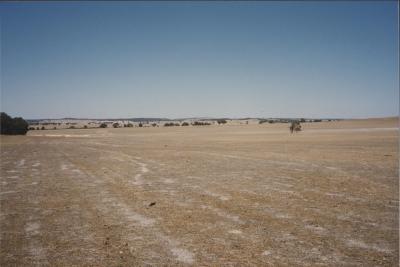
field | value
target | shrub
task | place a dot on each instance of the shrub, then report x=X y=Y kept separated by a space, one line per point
x=12 y=126
x=116 y=125
x=171 y=124
x=71 y=127
x=185 y=124
x=129 y=125
x=154 y=124
x=103 y=125
x=200 y=123
x=222 y=121
x=54 y=128
x=45 y=128
x=37 y=128
x=140 y=124
x=85 y=127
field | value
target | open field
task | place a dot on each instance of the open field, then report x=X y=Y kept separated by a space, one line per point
x=244 y=195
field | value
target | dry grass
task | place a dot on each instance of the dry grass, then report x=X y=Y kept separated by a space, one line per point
x=250 y=195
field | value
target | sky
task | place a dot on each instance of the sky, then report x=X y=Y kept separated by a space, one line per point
x=199 y=59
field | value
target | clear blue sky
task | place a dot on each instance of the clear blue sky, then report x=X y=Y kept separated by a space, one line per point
x=186 y=59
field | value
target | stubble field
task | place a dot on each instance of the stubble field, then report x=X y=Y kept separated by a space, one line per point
x=244 y=195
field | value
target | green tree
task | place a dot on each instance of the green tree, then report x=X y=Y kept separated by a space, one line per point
x=12 y=126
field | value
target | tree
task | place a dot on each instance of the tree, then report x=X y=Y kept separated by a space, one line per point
x=13 y=126
x=140 y=124
x=295 y=126
x=200 y=123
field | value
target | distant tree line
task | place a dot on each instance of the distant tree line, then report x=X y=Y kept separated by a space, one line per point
x=302 y=120
x=169 y=124
x=196 y=123
x=13 y=126
x=200 y=123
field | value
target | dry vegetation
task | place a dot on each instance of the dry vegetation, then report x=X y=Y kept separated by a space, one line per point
x=232 y=195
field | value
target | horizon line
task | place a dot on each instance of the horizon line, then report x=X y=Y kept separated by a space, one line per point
x=216 y=118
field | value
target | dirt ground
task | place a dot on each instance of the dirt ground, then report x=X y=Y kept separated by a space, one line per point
x=245 y=195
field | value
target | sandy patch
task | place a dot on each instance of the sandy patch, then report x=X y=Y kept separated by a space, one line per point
x=236 y=232
x=32 y=228
x=183 y=255
x=21 y=163
x=363 y=245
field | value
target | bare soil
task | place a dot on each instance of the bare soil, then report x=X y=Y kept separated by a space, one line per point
x=244 y=195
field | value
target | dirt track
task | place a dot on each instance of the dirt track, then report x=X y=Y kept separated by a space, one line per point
x=250 y=195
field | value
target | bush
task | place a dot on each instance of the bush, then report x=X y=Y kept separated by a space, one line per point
x=140 y=124
x=54 y=128
x=45 y=128
x=129 y=125
x=12 y=126
x=103 y=125
x=154 y=124
x=31 y=128
x=185 y=124
x=171 y=124
x=116 y=125
x=221 y=121
x=200 y=123
x=85 y=127
x=70 y=127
